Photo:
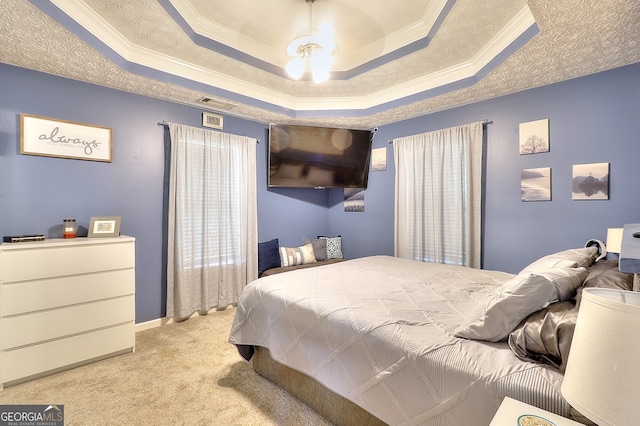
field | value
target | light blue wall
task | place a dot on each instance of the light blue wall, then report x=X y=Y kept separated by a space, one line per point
x=592 y=119
x=36 y=193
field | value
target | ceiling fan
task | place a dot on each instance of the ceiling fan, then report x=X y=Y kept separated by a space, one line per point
x=314 y=51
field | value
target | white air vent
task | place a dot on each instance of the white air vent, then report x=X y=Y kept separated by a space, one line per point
x=212 y=120
x=217 y=104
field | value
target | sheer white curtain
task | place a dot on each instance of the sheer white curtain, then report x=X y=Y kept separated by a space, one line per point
x=438 y=195
x=212 y=219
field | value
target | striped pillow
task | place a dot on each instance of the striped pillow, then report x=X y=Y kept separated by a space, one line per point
x=297 y=255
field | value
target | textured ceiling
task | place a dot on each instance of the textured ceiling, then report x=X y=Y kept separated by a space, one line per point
x=394 y=62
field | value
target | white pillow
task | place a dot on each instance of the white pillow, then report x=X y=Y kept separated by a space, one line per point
x=572 y=258
x=291 y=256
x=519 y=297
x=565 y=280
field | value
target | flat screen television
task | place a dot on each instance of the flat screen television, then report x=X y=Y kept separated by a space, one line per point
x=318 y=157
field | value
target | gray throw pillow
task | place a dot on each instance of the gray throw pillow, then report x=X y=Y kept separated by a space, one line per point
x=319 y=247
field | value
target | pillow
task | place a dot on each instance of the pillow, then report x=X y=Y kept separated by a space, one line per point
x=573 y=258
x=605 y=274
x=296 y=256
x=334 y=247
x=519 y=297
x=565 y=280
x=268 y=255
x=319 y=247
x=545 y=336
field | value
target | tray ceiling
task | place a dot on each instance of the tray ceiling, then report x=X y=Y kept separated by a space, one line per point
x=394 y=60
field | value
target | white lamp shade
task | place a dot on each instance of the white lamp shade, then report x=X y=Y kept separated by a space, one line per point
x=602 y=379
x=614 y=239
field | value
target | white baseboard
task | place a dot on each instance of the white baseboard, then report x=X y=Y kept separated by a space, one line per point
x=153 y=324
x=164 y=321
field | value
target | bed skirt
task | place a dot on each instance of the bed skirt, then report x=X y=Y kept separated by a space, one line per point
x=331 y=406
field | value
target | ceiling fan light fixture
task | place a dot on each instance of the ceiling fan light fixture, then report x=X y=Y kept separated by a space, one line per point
x=321 y=62
x=315 y=51
x=295 y=68
x=320 y=75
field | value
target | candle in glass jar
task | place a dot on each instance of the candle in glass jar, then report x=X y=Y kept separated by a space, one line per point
x=69 y=228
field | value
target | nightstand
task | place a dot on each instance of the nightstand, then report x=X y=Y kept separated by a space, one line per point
x=511 y=410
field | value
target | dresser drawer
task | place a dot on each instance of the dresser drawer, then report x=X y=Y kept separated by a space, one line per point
x=28 y=296
x=66 y=353
x=37 y=260
x=23 y=330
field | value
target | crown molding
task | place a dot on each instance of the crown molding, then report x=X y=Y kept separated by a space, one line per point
x=250 y=92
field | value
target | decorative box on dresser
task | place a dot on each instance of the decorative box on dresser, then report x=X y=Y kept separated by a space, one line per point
x=64 y=303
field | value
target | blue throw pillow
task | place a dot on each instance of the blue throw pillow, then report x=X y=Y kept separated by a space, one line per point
x=268 y=255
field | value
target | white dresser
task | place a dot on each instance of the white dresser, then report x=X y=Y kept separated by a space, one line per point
x=63 y=303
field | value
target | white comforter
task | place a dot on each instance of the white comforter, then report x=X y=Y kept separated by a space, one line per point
x=379 y=332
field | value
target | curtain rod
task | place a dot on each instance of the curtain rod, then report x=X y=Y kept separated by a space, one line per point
x=485 y=121
x=166 y=123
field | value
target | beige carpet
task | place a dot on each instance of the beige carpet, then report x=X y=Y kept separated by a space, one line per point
x=181 y=374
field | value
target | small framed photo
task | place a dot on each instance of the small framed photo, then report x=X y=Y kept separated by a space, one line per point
x=535 y=184
x=590 y=181
x=104 y=226
x=354 y=200
x=534 y=137
x=379 y=159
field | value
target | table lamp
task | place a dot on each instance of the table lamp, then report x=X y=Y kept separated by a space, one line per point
x=614 y=240
x=602 y=379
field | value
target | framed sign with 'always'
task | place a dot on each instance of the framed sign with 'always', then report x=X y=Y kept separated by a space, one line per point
x=66 y=139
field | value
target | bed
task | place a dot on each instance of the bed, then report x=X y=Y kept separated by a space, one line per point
x=403 y=342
